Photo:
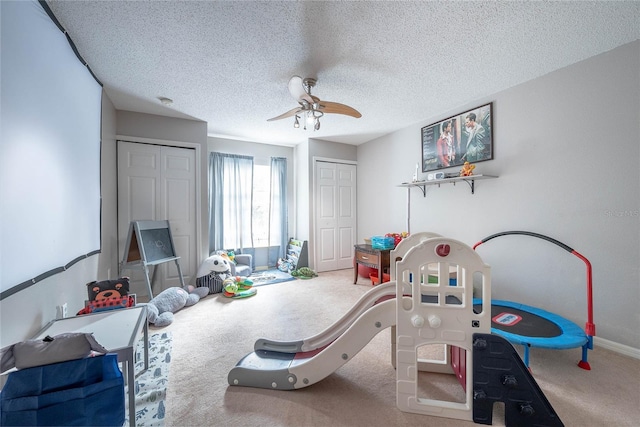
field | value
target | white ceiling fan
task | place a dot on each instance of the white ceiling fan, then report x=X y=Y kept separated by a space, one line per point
x=311 y=107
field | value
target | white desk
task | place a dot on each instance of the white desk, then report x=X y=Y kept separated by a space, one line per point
x=116 y=330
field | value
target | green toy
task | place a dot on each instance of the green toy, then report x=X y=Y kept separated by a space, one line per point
x=238 y=287
x=304 y=273
x=245 y=294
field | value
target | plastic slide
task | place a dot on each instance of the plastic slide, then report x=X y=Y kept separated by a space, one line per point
x=298 y=364
x=324 y=338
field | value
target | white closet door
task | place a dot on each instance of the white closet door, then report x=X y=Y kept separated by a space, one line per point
x=335 y=215
x=157 y=182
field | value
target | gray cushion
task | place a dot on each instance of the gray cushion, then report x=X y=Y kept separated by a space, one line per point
x=242 y=270
x=59 y=348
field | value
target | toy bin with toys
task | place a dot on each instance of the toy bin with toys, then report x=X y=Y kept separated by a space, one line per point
x=382 y=242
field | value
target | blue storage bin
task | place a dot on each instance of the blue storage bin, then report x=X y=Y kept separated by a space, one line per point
x=381 y=242
x=82 y=392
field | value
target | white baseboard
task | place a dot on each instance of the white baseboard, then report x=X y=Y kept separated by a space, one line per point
x=618 y=348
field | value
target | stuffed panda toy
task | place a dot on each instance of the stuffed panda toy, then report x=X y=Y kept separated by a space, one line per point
x=212 y=273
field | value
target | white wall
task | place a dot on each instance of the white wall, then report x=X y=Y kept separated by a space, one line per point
x=108 y=261
x=26 y=312
x=566 y=152
x=23 y=314
x=302 y=179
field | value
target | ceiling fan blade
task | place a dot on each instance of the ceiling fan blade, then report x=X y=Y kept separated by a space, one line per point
x=287 y=114
x=337 y=108
x=296 y=88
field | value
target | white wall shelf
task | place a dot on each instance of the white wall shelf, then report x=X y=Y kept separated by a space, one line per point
x=468 y=179
x=422 y=185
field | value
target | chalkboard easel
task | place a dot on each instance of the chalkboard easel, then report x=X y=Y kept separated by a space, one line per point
x=149 y=243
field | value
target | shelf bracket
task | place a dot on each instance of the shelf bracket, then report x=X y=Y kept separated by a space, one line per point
x=472 y=184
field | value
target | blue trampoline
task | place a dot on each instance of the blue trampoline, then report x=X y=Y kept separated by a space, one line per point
x=533 y=327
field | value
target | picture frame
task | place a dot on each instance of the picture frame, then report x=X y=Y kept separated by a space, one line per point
x=464 y=142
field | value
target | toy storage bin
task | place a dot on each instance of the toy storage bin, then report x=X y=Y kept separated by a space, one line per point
x=364 y=271
x=381 y=242
x=81 y=392
x=374 y=278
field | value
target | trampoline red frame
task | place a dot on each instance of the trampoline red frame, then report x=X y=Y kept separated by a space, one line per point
x=572 y=336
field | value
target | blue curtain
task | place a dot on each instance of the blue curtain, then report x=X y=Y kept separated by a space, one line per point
x=230 y=201
x=231 y=205
x=278 y=217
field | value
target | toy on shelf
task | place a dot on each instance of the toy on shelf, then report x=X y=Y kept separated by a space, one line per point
x=238 y=287
x=467 y=169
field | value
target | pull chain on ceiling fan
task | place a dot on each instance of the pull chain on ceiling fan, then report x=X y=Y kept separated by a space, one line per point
x=311 y=107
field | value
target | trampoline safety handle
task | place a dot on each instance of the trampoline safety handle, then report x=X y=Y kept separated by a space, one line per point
x=590 y=327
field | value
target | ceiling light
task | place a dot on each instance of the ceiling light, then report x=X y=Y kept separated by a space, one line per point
x=165 y=101
x=312 y=112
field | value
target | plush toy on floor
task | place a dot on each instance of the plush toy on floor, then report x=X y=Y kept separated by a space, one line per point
x=161 y=308
x=212 y=273
x=304 y=273
x=238 y=287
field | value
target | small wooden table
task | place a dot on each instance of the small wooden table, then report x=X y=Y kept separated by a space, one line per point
x=370 y=257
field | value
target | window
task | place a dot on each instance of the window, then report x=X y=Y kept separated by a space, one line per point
x=261 y=205
x=248 y=206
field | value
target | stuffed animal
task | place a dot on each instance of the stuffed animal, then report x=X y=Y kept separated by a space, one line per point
x=304 y=273
x=108 y=289
x=212 y=272
x=161 y=308
x=228 y=255
x=108 y=295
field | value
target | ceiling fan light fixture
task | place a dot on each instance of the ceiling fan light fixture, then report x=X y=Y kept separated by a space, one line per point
x=310 y=108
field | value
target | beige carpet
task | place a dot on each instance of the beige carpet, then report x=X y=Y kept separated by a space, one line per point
x=212 y=336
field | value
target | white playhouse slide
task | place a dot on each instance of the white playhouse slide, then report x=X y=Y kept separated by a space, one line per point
x=298 y=364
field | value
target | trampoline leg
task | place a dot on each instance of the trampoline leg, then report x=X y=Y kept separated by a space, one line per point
x=526 y=356
x=584 y=364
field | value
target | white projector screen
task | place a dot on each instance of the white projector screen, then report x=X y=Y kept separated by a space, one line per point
x=50 y=116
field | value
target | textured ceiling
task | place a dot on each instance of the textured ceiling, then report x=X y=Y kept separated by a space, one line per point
x=398 y=63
